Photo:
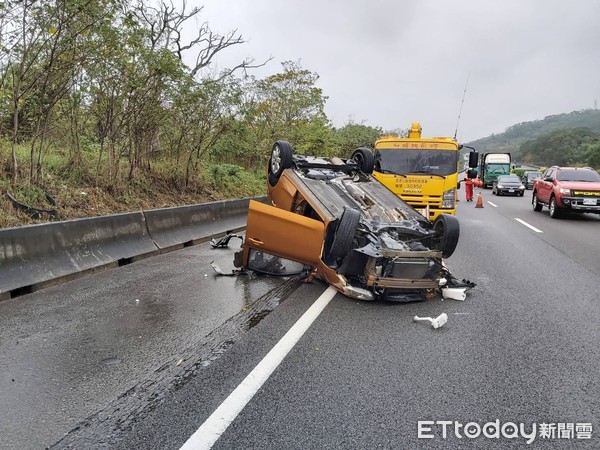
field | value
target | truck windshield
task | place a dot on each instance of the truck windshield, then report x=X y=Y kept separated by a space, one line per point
x=407 y=160
x=498 y=169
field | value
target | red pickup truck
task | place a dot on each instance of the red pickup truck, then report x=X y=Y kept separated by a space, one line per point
x=567 y=189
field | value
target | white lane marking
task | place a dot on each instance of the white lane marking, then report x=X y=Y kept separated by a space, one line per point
x=217 y=423
x=537 y=230
x=493 y=204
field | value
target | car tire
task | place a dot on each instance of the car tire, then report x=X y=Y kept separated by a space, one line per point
x=345 y=232
x=364 y=158
x=449 y=228
x=555 y=212
x=537 y=206
x=281 y=159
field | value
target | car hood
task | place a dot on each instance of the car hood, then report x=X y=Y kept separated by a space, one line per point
x=580 y=185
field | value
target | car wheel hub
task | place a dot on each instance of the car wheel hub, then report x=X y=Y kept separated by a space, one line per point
x=275 y=160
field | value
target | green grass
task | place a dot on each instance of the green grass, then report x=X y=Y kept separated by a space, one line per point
x=81 y=190
x=235 y=181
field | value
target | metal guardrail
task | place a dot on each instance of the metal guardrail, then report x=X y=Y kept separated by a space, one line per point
x=36 y=256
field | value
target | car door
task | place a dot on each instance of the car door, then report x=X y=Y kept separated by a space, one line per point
x=283 y=233
x=545 y=187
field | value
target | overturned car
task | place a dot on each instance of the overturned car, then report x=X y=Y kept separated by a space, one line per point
x=332 y=217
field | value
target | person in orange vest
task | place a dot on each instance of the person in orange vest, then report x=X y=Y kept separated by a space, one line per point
x=469 y=188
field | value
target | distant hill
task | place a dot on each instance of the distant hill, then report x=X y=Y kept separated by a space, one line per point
x=515 y=135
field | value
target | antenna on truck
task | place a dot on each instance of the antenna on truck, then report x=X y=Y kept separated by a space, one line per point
x=461 y=105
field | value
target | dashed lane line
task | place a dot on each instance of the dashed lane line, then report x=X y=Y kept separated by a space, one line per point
x=531 y=227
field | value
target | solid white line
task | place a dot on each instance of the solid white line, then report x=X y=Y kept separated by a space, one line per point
x=217 y=423
x=493 y=204
x=529 y=226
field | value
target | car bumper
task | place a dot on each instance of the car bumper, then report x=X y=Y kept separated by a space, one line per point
x=410 y=280
x=577 y=204
x=509 y=191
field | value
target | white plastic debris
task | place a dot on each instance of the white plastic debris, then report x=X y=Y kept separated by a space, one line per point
x=442 y=282
x=438 y=322
x=216 y=268
x=454 y=293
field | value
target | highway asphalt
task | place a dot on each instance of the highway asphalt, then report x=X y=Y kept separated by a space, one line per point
x=522 y=348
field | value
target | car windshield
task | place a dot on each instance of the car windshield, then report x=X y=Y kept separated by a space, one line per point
x=508 y=179
x=533 y=175
x=407 y=160
x=577 y=175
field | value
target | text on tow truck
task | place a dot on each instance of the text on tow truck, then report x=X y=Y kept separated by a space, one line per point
x=421 y=171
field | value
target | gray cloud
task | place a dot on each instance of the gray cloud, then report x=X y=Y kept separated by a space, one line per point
x=388 y=63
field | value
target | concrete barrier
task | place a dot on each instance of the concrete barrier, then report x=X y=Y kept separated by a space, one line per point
x=183 y=225
x=37 y=254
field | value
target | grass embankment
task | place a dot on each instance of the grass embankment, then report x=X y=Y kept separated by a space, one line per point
x=82 y=190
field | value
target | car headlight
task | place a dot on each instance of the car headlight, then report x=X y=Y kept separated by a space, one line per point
x=565 y=191
x=448 y=198
x=521 y=187
x=499 y=186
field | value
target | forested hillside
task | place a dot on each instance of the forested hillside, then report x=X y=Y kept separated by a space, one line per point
x=515 y=135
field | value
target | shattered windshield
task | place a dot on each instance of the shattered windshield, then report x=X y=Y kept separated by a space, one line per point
x=409 y=161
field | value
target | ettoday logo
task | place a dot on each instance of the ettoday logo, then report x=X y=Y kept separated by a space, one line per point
x=429 y=429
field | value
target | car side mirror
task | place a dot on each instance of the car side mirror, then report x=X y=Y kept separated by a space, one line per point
x=548 y=179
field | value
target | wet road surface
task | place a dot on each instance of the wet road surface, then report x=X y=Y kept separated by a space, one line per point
x=523 y=347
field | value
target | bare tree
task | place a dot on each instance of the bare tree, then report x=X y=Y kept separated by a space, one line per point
x=165 y=23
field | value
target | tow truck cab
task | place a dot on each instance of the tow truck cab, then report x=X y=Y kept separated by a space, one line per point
x=421 y=171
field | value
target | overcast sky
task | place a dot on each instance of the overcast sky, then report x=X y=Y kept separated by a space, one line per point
x=388 y=63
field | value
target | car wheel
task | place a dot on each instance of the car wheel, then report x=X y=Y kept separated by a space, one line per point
x=364 y=158
x=345 y=232
x=448 y=228
x=281 y=159
x=554 y=210
x=537 y=206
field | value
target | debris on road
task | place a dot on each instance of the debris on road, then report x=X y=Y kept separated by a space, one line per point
x=219 y=271
x=224 y=241
x=454 y=293
x=438 y=322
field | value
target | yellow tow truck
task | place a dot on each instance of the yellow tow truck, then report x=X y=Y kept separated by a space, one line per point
x=421 y=171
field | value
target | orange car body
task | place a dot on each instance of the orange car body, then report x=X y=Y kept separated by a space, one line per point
x=348 y=229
